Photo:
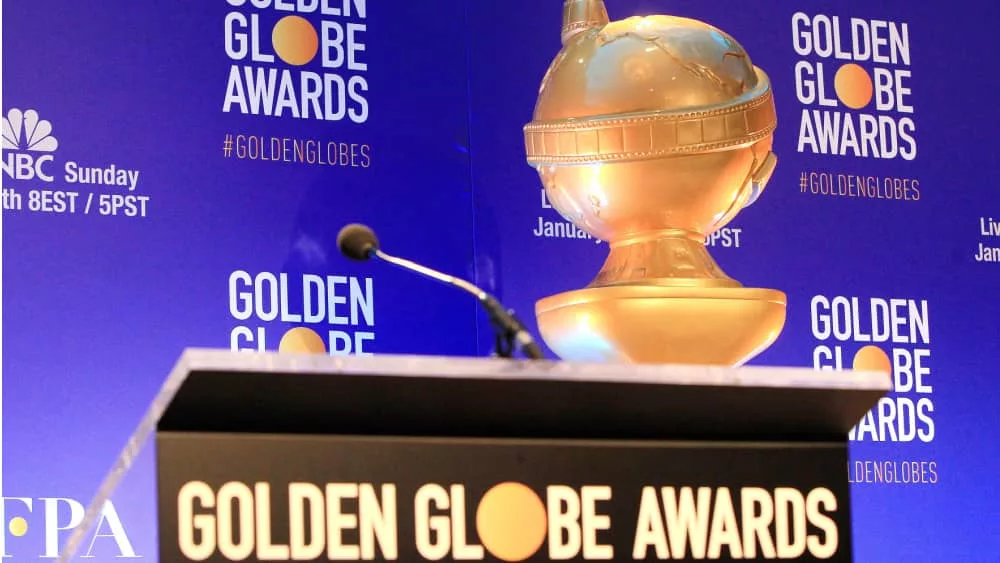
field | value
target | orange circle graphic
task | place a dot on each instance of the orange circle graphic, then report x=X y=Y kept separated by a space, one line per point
x=853 y=86
x=873 y=358
x=295 y=40
x=511 y=522
x=18 y=526
x=301 y=340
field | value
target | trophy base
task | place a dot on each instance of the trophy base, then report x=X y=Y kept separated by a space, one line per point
x=661 y=325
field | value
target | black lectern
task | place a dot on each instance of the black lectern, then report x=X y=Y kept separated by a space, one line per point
x=268 y=457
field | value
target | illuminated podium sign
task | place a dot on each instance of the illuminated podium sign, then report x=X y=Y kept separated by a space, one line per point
x=264 y=457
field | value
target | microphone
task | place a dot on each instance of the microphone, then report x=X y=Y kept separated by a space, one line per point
x=358 y=242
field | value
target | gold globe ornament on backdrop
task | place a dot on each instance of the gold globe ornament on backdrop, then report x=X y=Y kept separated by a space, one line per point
x=652 y=133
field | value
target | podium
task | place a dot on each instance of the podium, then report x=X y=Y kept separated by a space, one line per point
x=270 y=457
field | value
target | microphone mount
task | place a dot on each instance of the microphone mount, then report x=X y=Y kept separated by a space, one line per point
x=510 y=333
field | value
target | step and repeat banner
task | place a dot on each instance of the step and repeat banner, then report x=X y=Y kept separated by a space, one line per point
x=175 y=175
x=878 y=224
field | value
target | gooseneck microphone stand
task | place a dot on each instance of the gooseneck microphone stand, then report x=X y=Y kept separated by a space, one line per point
x=510 y=333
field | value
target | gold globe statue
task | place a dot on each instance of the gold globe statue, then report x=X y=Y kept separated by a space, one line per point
x=651 y=133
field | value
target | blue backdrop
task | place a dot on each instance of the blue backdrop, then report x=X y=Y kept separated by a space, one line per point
x=212 y=172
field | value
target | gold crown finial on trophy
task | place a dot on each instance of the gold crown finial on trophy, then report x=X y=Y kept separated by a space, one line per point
x=652 y=133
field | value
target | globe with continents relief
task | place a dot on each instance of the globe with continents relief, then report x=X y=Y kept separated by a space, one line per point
x=652 y=133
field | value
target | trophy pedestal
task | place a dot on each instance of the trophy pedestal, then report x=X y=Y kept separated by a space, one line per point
x=661 y=325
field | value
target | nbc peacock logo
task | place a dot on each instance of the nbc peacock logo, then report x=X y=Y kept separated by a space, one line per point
x=26 y=131
x=28 y=146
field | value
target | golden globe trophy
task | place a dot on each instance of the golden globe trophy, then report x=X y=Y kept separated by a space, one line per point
x=651 y=133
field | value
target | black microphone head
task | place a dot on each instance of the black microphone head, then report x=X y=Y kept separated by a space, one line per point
x=357 y=241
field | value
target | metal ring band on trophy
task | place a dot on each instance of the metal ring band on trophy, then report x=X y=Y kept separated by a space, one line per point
x=651 y=135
